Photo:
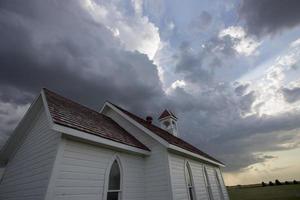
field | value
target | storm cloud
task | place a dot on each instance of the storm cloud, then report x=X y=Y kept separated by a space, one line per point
x=67 y=47
x=64 y=49
x=264 y=17
x=291 y=94
x=60 y=46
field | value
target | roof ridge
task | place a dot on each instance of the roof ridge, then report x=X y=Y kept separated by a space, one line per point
x=165 y=132
x=140 y=118
x=167 y=113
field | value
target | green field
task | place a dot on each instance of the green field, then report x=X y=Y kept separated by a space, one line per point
x=283 y=192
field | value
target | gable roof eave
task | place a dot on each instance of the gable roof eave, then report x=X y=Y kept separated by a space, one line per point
x=87 y=136
x=141 y=127
x=162 y=141
x=84 y=136
x=181 y=150
x=74 y=116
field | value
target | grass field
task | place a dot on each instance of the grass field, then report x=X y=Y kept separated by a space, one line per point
x=282 y=192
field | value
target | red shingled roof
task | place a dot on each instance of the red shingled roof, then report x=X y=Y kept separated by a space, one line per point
x=71 y=114
x=166 y=113
x=167 y=136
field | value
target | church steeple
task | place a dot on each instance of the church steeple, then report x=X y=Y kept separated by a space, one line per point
x=168 y=122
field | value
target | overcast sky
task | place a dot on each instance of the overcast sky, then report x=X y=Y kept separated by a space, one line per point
x=228 y=69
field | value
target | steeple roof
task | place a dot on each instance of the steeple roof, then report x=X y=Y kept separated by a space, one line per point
x=167 y=113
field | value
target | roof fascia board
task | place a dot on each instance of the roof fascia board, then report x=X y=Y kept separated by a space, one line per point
x=168 y=117
x=93 y=138
x=181 y=150
x=103 y=107
x=147 y=131
x=49 y=117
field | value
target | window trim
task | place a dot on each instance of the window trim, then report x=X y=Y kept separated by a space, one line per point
x=187 y=168
x=107 y=172
x=219 y=185
x=207 y=184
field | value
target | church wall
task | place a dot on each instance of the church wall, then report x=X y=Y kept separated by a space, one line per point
x=27 y=173
x=81 y=169
x=156 y=165
x=179 y=188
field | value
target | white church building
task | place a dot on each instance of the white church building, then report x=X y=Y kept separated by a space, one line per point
x=65 y=151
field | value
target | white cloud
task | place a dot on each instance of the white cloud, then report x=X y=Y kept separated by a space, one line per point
x=243 y=44
x=178 y=83
x=268 y=86
x=135 y=31
x=233 y=31
x=295 y=43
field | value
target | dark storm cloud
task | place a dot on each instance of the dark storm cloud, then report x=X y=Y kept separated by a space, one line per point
x=291 y=95
x=199 y=65
x=67 y=56
x=236 y=139
x=215 y=119
x=58 y=45
x=192 y=65
x=218 y=118
x=269 y=16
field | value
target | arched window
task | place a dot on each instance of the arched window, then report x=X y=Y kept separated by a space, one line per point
x=219 y=185
x=207 y=183
x=114 y=182
x=189 y=182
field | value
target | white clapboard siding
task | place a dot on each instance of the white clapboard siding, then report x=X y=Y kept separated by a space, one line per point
x=179 y=188
x=157 y=175
x=178 y=182
x=200 y=187
x=157 y=168
x=213 y=182
x=223 y=187
x=27 y=173
x=83 y=167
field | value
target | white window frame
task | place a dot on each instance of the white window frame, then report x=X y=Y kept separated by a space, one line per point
x=207 y=184
x=106 y=190
x=187 y=168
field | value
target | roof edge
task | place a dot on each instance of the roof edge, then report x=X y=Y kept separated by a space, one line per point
x=45 y=102
x=181 y=150
x=147 y=131
x=9 y=145
x=159 y=139
x=96 y=139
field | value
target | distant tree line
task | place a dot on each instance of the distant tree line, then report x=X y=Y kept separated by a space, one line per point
x=277 y=182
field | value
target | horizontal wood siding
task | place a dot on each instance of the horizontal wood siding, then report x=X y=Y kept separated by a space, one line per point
x=179 y=188
x=213 y=182
x=178 y=177
x=82 y=170
x=223 y=187
x=217 y=194
x=200 y=187
x=156 y=165
x=27 y=173
x=157 y=175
